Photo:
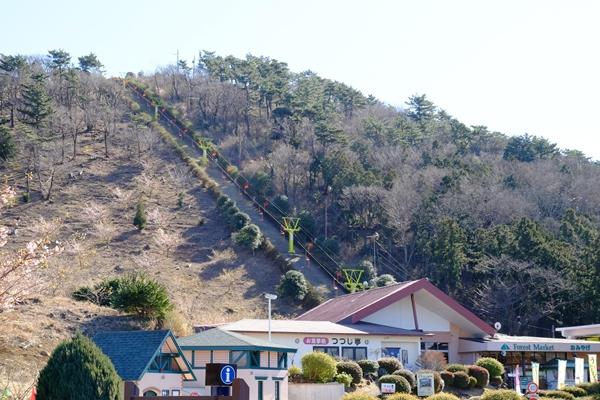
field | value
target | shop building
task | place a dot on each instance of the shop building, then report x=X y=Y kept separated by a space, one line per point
x=261 y=364
x=588 y=332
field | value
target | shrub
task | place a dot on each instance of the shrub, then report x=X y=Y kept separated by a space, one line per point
x=408 y=375
x=494 y=367
x=501 y=394
x=590 y=388
x=352 y=369
x=227 y=204
x=402 y=385
x=575 y=391
x=344 y=379
x=294 y=373
x=472 y=382
x=461 y=380
x=368 y=366
x=140 y=216
x=294 y=285
x=318 y=367
x=401 y=396
x=457 y=367
x=145 y=297
x=438 y=383
x=281 y=204
x=448 y=378
x=557 y=394
x=382 y=280
x=433 y=360
x=369 y=271
x=496 y=380
x=358 y=396
x=221 y=199
x=313 y=297
x=78 y=370
x=240 y=220
x=442 y=396
x=100 y=294
x=180 y=200
x=480 y=374
x=389 y=364
x=177 y=323
x=249 y=236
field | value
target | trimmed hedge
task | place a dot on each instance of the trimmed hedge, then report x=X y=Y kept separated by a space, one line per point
x=496 y=380
x=448 y=378
x=557 y=394
x=352 y=369
x=590 y=388
x=480 y=374
x=344 y=378
x=402 y=385
x=472 y=382
x=501 y=394
x=494 y=367
x=457 y=367
x=368 y=366
x=401 y=396
x=358 y=396
x=408 y=375
x=442 y=396
x=461 y=380
x=575 y=391
x=389 y=364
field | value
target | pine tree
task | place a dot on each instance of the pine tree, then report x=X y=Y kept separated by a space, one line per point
x=140 y=216
x=90 y=63
x=36 y=105
x=78 y=370
x=7 y=144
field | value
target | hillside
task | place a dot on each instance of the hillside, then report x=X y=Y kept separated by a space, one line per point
x=508 y=225
x=91 y=201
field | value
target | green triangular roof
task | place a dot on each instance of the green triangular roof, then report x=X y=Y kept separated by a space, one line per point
x=218 y=339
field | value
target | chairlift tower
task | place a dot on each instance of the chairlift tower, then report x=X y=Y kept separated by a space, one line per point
x=291 y=225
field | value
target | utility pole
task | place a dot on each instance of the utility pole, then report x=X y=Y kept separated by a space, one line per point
x=374 y=238
x=327 y=190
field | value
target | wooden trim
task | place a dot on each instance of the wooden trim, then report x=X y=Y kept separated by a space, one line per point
x=414 y=309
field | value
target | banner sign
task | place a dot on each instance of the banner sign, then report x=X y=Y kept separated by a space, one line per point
x=425 y=385
x=562 y=373
x=518 y=379
x=535 y=372
x=593 y=366
x=579 y=374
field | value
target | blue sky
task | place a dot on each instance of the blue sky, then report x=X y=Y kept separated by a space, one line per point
x=515 y=66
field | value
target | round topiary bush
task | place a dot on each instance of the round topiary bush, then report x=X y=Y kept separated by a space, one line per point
x=352 y=369
x=294 y=285
x=494 y=367
x=318 y=367
x=78 y=370
x=344 y=378
x=461 y=380
x=438 y=383
x=556 y=394
x=457 y=368
x=389 y=364
x=472 y=382
x=368 y=367
x=294 y=373
x=402 y=385
x=502 y=394
x=442 y=396
x=358 y=396
x=496 y=380
x=448 y=378
x=249 y=236
x=575 y=391
x=401 y=396
x=408 y=375
x=480 y=374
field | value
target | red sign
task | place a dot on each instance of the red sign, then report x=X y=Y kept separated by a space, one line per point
x=316 y=340
x=532 y=387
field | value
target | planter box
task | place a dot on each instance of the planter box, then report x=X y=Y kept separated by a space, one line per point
x=315 y=391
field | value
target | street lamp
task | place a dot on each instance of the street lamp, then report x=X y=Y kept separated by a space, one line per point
x=270 y=297
x=374 y=238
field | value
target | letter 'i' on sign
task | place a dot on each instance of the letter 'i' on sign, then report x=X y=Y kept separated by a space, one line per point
x=227 y=374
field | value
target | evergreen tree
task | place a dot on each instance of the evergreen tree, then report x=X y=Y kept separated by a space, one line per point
x=58 y=60
x=7 y=144
x=78 y=370
x=36 y=104
x=140 y=216
x=90 y=63
x=420 y=109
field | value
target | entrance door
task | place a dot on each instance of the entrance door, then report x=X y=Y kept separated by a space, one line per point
x=396 y=352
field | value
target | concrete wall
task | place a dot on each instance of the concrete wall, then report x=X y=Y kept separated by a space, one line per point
x=251 y=377
x=315 y=391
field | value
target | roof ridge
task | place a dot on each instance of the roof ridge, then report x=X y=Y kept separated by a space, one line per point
x=374 y=289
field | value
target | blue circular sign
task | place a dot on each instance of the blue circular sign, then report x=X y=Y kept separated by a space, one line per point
x=227 y=374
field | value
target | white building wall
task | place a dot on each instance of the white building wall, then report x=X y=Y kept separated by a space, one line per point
x=397 y=315
x=159 y=382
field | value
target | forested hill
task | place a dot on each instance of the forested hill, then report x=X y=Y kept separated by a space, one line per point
x=508 y=225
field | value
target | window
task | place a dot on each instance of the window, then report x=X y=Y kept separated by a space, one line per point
x=254 y=359
x=164 y=392
x=240 y=358
x=277 y=389
x=435 y=346
x=282 y=360
x=260 y=390
x=354 y=353
x=332 y=351
x=396 y=352
x=150 y=393
x=175 y=392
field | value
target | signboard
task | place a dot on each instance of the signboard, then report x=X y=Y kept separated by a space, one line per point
x=532 y=390
x=562 y=373
x=579 y=370
x=425 y=384
x=565 y=345
x=315 y=340
x=220 y=374
x=518 y=379
x=388 y=388
x=535 y=372
x=344 y=341
x=593 y=366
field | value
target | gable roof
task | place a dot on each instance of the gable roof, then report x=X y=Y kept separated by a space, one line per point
x=132 y=352
x=290 y=326
x=353 y=307
x=219 y=339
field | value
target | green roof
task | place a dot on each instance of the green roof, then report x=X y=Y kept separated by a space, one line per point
x=218 y=339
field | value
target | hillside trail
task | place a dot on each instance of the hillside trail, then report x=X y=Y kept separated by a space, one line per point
x=312 y=272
